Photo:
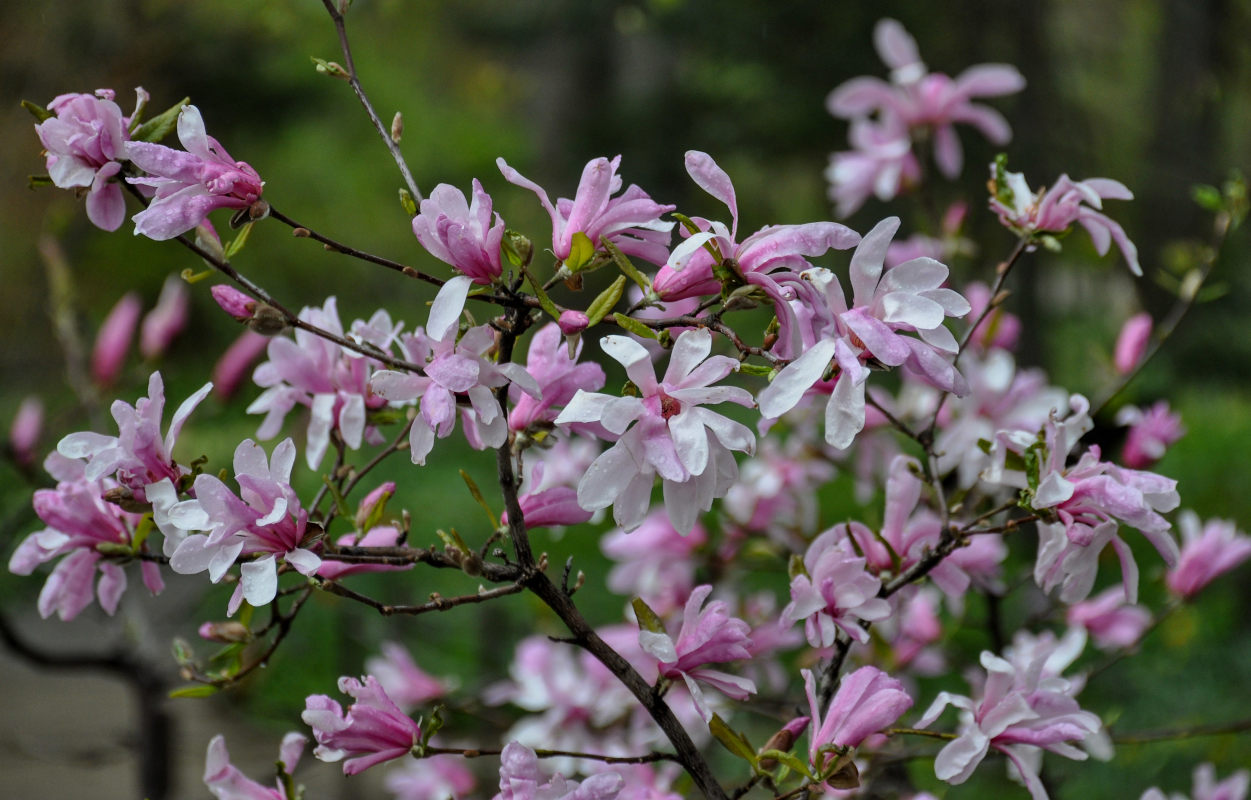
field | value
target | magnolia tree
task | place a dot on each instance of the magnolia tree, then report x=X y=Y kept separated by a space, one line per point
x=724 y=441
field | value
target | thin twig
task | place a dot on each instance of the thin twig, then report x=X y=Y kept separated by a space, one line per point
x=436 y=603
x=647 y=758
x=1174 y=734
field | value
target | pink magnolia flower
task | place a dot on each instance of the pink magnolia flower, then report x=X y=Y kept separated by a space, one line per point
x=555 y=369
x=573 y=322
x=521 y=779
x=400 y=677
x=867 y=701
x=264 y=519
x=688 y=272
x=79 y=520
x=166 y=320
x=372 y=731
x=664 y=431
x=1056 y=209
x=433 y=778
x=139 y=458
x=452 y=368
x=331 y=380
x=835 y=592
x=708 y=635
x=235 y=365
x=1235 y=787
x=226 y=782
x=86 y=143
x=378 y=536
x=1111 y=621
x=1151 y=433
x=999 y=329
x=880 y=164
x=25 y=429
x=1132 y=342
x=776 y=490
x=654 y=562
x=1208 y=551
x=460 y=233
x=233 y=302
x=912 y=630
x=886 y=305
x=631 y=220
x=189 y=184
x=1025 y=705
x=113 y=339
x=933 y=101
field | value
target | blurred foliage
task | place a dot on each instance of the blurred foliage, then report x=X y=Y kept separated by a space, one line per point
x=1155 y=94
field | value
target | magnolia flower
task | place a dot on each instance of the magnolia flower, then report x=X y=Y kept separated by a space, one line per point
x=1024 y=705
x=189 y=184
x=86 y=143
x=226 y=782
x=867 y=701
x=689 y=270
x=113 y=339
x=1151 y=433
x=664 y=431
x=1055 y=210
x=25 y=429
x=235 y=365
x=460 y=233
x=934 y=100
x=708 y=636
x=372 y=731
x=331 y=380
x=880 y=164
x=521 y=779
x=654 y=562
x=1208 y=551
x=264 y=519
x=834 y=592
x=1111 y=621
x=886 y=305
x=433 y=778
x=555 y=369
x=631 y=220
x=1235 y=787
x=404 y=682
x=452 y=367
x=138 y=457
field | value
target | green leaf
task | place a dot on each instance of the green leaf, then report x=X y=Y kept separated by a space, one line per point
x=608 y=298
x=339 y=500
x=407 y=202
x=581 y=252
x=795 y=567
x=634 y=326
x=545 y=302
x=648 y=619
x=237 y=243
x=789 y=760
x=690 y=226
x=1209 y=197
x=732 y=740
x=517 y=248
x=160 y=126
x=761 y=370
x=142 y=530
x=625 y=265
x=477 y=495
x=40 y=113
x=35 y=181
x=197 y=690
x=330 y=68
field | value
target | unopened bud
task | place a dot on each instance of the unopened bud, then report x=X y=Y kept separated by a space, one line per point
x=113 y=341
x=258 y=211
x=783 y=740
x=167 y=319
x=228 y=632
x=267 y=320
x=572 y=322
x=1132 y=343
x=371 y=508
x=397 y=127
x=25 y=430
x=233 y=302
x=124 y=498
x=206 y=239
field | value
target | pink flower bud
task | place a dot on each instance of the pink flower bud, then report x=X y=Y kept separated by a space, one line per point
x=373 y=504
x=572 y=322
x=227 y=632
x=235 y=364
x=1132 y=342
x=166 y=320
x=24 y=433
x=113 y=340
x=233 y=302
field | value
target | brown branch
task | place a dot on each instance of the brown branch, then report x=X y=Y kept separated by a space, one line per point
x=473 y=752
x=436 y=603
x=1175 y=734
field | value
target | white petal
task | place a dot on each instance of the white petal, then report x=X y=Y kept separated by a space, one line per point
x=448 y=304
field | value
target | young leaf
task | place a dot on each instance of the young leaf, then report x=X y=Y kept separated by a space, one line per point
x=634 y=326
x=581 y=252
x=732 y=740
x=198 y=690
x=40 y=113
x=160 y=126
x=237 y=243
x=477 y=495
x=625 y=265
x=762 y=370
x=608 y=298
x=407 y=202
x=648 y=619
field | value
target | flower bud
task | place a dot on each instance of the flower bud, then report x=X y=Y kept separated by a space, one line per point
x=236 y=363
x=166 y=320
x=113 y=340
x=1132 y=343
x=371 y=508
x=233 y=302
x=572 y=322
x=267 y=320
x=783 y=740
x=228 y=632
x=24 y=432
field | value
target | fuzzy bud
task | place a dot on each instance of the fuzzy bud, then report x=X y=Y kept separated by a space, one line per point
x=228 y=632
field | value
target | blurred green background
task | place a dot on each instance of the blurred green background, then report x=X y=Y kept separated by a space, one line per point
x=1154 y=94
